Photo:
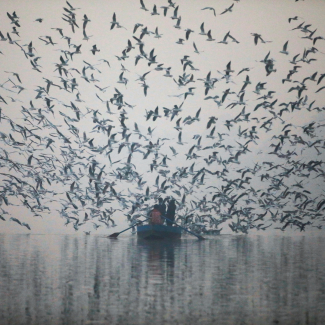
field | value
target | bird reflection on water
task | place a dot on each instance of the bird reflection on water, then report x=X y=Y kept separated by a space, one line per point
x=223 y=280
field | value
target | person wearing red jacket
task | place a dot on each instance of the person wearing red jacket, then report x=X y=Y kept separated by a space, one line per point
x=155 y=216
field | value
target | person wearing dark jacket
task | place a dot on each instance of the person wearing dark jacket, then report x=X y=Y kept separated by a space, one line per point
x=170 y=214
x=162 y=206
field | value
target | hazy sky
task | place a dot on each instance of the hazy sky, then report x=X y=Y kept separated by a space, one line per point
x=267 y=18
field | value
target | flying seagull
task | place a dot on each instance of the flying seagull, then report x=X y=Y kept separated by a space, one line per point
x=210 y=8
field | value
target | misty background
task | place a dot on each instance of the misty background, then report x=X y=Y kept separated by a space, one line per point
x=207 y=193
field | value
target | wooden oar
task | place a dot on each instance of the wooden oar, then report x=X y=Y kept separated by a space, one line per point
x=118 y=233
x=192 y=233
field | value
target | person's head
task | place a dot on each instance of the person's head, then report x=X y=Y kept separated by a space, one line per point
x=156 y=206
x=160 y=200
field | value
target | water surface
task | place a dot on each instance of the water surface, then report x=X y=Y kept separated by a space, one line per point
x=55 y=279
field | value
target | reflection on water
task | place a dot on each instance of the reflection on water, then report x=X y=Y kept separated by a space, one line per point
x=224 y=280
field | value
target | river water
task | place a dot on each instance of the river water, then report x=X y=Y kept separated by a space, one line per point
x=65 y=279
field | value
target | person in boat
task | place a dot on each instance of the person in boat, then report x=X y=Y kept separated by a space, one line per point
x=162 y=206
x=155 y=216
x=170 y=214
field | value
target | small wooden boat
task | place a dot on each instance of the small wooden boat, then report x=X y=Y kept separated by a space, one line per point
x=158 y=232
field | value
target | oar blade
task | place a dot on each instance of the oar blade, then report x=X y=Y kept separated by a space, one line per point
x=190 y=232
x=118 y=233
x=114 y=235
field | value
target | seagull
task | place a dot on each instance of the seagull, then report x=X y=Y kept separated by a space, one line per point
x=129 y=46
x=178 y=23
x=209 y=36
x=233 y=39
x=102 y=89
x=143 y=7
x=284 y=50
x=30 y=50
x=154 y=11
x=171 y=3
x=242 y=70
x=94 y=49
x=189 y=92
x=13 y=19
x=26 y=225
x=202 y=32
x=16 y=220
x=227 y=9
x=10 y=40
x=86 y=21
x=165 y=10
x=167 y=74
x=320 y=89
x=195 y=49
x=143 y=77
x=188 y=32
x=71 y=7
x=2 y=38
x=180 y=139
x=86 y=37
x=122 y=79
x=136 y=26
x=257 y=37
x=210 y=8
x=293 y=18
x=318 y=38
x=224 y=41
x=14 y=74
x=145 y=88
x=114 y=22
x=174 y=16
x=175 y=153
x=157 y=35
x=14 y=31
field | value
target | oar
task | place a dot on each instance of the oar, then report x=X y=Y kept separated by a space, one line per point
x=118 y=233
x=192 y=233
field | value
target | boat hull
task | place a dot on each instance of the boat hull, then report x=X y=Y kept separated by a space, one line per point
x=158 y=232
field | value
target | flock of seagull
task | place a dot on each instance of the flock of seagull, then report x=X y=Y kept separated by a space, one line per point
x=60 y=157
